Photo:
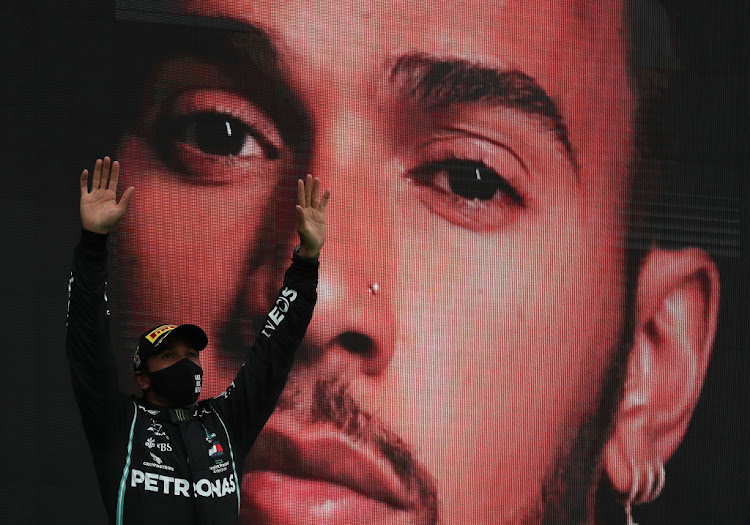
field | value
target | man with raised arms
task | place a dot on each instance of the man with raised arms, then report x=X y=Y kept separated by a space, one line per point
x=163 y=458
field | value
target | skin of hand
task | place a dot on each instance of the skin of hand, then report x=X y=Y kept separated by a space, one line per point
x=100 y=210
x=311 y=220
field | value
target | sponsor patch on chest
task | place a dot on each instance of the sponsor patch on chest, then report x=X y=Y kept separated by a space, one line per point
x=169 y=485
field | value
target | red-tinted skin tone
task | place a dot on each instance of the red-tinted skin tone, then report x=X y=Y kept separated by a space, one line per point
x=493 y=323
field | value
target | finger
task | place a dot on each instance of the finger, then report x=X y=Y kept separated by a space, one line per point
x=125 y=199
x=300 y=192
x=114 y=176
x=299 y=213
x=308 y=190
x=97 y=175
x=84 y=181
x=315 y=193
x=324 y=201
x=105 y=173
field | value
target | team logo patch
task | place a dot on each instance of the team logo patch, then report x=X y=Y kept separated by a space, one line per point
x=215 y=450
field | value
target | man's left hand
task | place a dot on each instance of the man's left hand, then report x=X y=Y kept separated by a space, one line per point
x=311 y=218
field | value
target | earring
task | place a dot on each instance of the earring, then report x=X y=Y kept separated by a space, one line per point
x=656 y=487
x=632 y=493
x=644 y=492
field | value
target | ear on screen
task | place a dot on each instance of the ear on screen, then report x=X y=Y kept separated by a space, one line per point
x=677 y=301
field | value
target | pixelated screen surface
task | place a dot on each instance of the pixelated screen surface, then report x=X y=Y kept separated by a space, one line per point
x=526 y=257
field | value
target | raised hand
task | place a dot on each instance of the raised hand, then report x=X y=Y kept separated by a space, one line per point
x=99 y=207
x=311 y=218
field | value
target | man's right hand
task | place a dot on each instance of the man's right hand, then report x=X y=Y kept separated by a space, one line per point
x=100 y=210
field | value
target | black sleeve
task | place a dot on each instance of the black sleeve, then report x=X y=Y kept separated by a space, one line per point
x=93 y=367
x=251 y=398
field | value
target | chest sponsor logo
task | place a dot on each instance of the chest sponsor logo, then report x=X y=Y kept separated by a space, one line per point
x=204 y=488
x=219 y=467
x=157 y=463
x=157 y=429
x=164 y=447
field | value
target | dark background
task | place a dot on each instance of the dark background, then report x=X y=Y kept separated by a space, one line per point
x=58 y=72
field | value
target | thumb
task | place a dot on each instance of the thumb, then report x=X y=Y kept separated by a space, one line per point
x=125 y=199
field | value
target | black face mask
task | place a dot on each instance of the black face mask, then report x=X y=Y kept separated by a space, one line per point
x=180 y=383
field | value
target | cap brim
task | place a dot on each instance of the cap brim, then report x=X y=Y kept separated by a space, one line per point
x=194 y=334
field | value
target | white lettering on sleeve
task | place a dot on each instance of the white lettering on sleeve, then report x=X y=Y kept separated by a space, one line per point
x=268 y=329
x=276 y=316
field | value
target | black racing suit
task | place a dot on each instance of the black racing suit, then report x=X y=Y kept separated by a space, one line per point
x=163 y=466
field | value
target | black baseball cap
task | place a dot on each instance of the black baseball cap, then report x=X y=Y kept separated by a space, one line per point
x=149 y=343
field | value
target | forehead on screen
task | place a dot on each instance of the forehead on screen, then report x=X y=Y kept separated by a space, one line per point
x=588 y=20
x=227 y=32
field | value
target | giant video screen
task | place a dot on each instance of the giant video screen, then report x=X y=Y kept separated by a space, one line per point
x=498 y=328
x=522 y=287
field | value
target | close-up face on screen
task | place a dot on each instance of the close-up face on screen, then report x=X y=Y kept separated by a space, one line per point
x=468 y=358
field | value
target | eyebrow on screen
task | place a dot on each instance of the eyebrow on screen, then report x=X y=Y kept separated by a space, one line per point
x=226 y=40
x=440 y=83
